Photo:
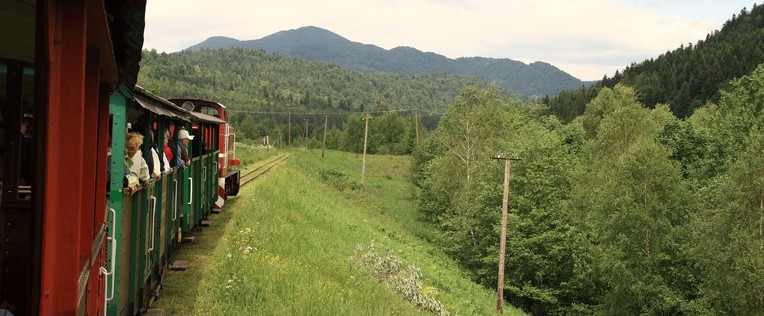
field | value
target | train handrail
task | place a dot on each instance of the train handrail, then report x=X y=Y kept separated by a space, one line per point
x=175 y=204
x=153 y=222
x=191 y=192
x=204 y=173
x=109 y=295
x=113 y=251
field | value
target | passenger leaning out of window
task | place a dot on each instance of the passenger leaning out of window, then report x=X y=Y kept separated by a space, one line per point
x=166 y=152
x=184 y=138
x=139 y=170
x=156 y=172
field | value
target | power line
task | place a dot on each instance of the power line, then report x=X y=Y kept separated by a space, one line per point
x=327 y=113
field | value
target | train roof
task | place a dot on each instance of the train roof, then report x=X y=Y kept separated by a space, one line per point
x=164 y=107
x=196 y=105
x=180 y=101
x=126 y=25
x=207 y=118
x=158 y=105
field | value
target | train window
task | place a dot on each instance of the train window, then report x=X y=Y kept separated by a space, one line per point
x=209 y=110
x=27 y=130
x=17 y=146
x=3 y=93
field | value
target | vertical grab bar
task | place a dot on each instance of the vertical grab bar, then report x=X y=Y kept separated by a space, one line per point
x=175 y=204
x=109 y=295
x=191 y=192
x=153 y=222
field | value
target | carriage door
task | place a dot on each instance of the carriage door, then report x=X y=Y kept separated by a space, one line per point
x=17 y=151
x=18 y=221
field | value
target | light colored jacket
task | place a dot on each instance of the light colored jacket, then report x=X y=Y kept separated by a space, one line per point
x=157 y=166
x=140 y=167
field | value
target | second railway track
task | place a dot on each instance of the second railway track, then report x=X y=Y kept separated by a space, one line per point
x=251 y=175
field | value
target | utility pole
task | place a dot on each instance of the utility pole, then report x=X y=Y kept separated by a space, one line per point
x=503 y=241
x=416 y=124
x=307 y=121
x=323 y=144
x=289 y=126
x=365 y=142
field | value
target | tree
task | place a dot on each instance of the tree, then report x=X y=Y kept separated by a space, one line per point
x=732 y=236
x=635 y=207
x=471 y=126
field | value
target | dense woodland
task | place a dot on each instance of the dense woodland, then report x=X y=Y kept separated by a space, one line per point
x=685 y=78
x=625 y=210
x=258 y=87
x=640 y=199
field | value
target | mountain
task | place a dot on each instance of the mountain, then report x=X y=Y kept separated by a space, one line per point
x=316 y=44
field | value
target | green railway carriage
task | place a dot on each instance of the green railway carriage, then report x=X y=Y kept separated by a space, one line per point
x=148 y=223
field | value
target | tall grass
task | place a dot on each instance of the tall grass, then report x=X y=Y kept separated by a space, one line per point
x=288 y=240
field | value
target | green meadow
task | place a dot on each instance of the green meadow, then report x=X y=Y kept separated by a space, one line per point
x=287 y=245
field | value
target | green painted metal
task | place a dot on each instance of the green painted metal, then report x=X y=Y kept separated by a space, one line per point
x=188 y=205
x=160 y=206
x=174 y=209
x=149 y=214
x=135 y=243
x=198 y=188
x=117 y=109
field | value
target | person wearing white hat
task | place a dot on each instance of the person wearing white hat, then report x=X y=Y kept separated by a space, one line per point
x=184 y=138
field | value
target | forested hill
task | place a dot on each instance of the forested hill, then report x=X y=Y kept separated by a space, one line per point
x=687 y=77
x=247 y=79
x=313 y=43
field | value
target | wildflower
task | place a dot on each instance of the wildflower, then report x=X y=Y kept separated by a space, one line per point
x=228 y=255
x=229 y=280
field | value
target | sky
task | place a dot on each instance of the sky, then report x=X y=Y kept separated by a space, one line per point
x=585 y=38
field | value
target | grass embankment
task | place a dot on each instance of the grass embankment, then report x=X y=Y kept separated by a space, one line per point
x=284 y=246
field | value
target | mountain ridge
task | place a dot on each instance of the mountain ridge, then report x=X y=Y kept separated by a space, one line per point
x=312 y=43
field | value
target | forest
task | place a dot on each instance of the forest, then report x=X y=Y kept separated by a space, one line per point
x=685 y=78
x=625 y=210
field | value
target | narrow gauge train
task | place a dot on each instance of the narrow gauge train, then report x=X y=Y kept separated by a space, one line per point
x=228 y=184
x=72 y=239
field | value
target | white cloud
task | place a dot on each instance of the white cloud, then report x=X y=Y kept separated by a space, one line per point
x=587 y=38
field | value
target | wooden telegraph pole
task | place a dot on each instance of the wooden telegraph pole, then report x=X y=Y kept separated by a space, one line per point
x=416 y=124
x=323 y=144
x=307 y=121
x=365 y=141
x=289 y=125
x=503 y=241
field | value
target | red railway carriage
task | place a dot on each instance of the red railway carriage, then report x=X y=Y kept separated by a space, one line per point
x=228 y=179
x=61 y=64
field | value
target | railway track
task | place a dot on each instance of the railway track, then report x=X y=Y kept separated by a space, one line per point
x=253 y=174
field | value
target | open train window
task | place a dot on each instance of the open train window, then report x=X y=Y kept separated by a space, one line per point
x=17 y=127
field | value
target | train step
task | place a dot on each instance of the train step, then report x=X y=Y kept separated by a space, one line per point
x=179 y=265
x=187 y=239
x=155 y=312
x=215 y=211
x=206 y=223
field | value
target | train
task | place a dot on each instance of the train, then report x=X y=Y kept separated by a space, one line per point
x=74 y=238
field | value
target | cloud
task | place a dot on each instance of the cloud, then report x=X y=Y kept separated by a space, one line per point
x=587 y=38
